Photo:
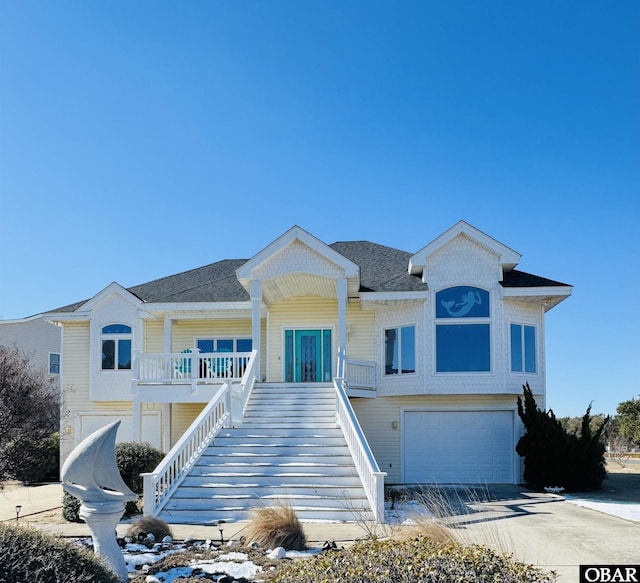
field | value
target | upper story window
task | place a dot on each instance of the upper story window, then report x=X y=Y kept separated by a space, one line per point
x=54 y=363
x=116 y=347
x=400 y=350
x=224 y=344
x=523 y=348
x=463 y=330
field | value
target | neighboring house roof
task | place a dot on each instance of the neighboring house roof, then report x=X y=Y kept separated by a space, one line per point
x=382 y=269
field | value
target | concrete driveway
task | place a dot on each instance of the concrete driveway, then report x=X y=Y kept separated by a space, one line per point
x=548 y=530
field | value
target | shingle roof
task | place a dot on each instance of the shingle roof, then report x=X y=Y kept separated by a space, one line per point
x=216 y=282
x=515 y=278
x=382 y=269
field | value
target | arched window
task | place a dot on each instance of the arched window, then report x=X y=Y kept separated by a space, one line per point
x=463 y=330
x=116 y=347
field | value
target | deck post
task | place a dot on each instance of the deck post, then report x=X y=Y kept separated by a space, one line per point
x=341 y=289
x=256 y=305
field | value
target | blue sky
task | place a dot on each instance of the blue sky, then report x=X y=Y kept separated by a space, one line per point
x=142 y=138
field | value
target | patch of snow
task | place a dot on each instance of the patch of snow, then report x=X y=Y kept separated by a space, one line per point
x=277 y=554
x=170 y=575
x=405 y=512
x=136 y=558
x=246 y=569
x=627 y=510
x=304 y=554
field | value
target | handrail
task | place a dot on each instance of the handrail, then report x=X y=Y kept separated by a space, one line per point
x=220 y=412
x=240 y=396
x=160 y=484
x=367 y=466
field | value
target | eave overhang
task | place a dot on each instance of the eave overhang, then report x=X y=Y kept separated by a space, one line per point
x=548 y=297
x=392 y=298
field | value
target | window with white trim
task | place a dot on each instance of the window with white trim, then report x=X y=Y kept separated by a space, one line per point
x=523 y=348
x=208 y=345
x=400 y=350
x=54 y=363
x=463 y=330
x=116 y=347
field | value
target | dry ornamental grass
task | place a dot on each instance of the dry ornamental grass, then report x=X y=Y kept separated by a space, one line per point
x=275 y=526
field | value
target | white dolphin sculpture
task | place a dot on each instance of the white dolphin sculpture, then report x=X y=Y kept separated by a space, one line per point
x=91 y=474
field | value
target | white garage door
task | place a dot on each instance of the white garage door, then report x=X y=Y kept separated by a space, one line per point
x=458 y=447
x=150 y=427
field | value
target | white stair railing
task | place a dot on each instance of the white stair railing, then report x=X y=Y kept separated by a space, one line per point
x=160 y=484
x=370 y=475
x=226 y=407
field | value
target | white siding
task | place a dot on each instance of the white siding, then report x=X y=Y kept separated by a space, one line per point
x=35 y=337
x=78 y=410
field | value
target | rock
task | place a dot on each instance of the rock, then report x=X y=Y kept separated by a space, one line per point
x=167 y=540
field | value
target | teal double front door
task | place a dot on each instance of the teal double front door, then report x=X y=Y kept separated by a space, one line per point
x=307 y=355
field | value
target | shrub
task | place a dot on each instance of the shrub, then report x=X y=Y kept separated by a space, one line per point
x=29 y=555
x=29 y=406
x=273 y=527
x=70 y=507
x=133 y=459
x=419 y=560
x=33 y=460
x=554 y=457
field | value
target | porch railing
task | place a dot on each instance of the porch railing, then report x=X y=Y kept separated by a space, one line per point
x=360 y=374
x=224 y=409
x=187 y=366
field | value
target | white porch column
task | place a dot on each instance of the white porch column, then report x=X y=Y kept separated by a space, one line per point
x=137 y=419
x=167 y=334
x=341 y=290
x=256 y=305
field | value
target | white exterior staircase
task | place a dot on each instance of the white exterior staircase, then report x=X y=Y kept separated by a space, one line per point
x=289 y=450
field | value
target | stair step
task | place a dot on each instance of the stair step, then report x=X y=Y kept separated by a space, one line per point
x=336 y=456
x=215 y=491
x=280 y=432
x=284 y=449
x=302 y=442
x=240 y=513
x=251 y=501
x=316 y=470
x=292 y=480
x=300 y=423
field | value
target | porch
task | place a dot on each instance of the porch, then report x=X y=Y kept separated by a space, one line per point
x=193 y=376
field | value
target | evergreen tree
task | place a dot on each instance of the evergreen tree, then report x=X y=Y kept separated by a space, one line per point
x=554 y=457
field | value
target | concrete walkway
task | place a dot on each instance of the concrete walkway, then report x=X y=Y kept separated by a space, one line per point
x=541 y=529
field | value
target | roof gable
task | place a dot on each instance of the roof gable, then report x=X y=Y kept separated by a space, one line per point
x=507 y=257
x=294 y=234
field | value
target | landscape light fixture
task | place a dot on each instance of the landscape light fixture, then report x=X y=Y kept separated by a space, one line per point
x=18 y=509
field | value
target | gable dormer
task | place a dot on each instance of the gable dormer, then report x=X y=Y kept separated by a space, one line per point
x=298 y=264
x=485 y=259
